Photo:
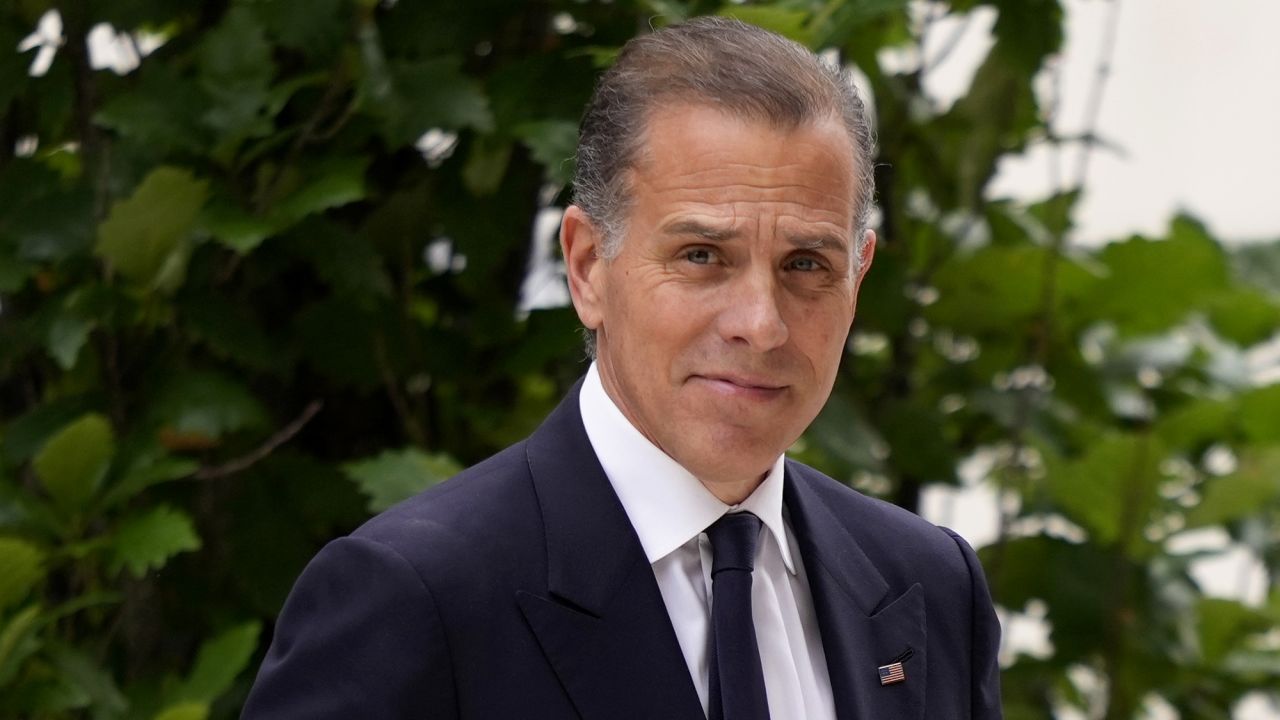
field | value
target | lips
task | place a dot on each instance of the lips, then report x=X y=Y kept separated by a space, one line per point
x=742 y=385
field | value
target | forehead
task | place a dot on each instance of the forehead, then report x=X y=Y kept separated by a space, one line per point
x=701 y=155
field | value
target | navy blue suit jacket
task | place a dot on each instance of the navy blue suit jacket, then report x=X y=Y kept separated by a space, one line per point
x=519 y=589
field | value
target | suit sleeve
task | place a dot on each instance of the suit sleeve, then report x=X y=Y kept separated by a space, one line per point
x=985 y=645
x=359 y=636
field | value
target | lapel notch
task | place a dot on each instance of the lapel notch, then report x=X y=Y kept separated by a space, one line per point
x=602 y=623
x=862 y=624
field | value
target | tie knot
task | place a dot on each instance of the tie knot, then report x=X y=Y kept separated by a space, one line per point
x=733 y=542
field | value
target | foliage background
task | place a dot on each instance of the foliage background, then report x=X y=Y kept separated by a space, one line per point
x=270 y=281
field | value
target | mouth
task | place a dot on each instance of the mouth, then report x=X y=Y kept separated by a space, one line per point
x=743 y=386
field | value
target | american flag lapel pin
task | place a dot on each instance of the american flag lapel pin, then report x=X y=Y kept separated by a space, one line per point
x=894 y=673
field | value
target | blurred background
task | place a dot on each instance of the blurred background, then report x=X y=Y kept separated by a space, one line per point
x=270 y=266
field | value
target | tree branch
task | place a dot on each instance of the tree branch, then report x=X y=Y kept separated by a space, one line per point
x=244 y=462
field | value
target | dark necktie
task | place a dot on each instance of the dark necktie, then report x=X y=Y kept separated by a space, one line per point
x=736 y=681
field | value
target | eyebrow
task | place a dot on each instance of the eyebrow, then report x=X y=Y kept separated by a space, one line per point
x=818 y=241
x=693 y=227
x=803 y=241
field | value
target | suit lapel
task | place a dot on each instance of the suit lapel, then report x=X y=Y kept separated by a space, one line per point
x=863 y=625
x=602 y=623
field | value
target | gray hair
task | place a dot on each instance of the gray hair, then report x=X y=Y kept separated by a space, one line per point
x=743 y=69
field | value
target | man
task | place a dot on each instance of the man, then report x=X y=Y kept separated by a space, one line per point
x=648 y=552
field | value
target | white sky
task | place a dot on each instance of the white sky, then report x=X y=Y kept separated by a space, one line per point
x=1193 y=101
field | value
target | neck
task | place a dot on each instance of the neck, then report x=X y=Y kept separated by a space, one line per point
x=732 y=492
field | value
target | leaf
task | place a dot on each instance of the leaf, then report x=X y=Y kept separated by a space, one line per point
x=415 y=96
x=21 y=569
x=24 y=437
x=787 y=22
x=667 y=12
x=235 y=228
x=1244 y=315
x=346 y=261
x=1153 y=284
x=332 y=183
x=230 y=330
x=1242 y=494
x=1111 y=490
x=1195 y=424
x=1258 y=265
x=145 y=237
x=1067 y=577
x=843 y=434
x=1260 y=413
x=992 y=119
x=203 y=407
x=1028 y=31
x=18 y=641
x=73 y=462
x=13 y=273
x=396 y=475
x=67 y=335
x=1000 y=285
x=150 y=467
x=486 y=165
x=147 y=541
x=45 y=219
x=339 y=340
x=219 y=661
x=184 y=711
x=552 y=143
x=1223 y=625
x=80 y=669
x=235 y=72
x=162 y=112
x=916 y=435
x=313 y=27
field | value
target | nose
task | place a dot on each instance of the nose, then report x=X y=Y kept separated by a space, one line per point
x=752 y=313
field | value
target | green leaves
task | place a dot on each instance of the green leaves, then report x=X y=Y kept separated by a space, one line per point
x=220 y=660
x=552 y=143
x=1111 y=490
x=1223 y=624
x=236 y=72
x=1152 y=284
x=145 y=237
x=411 y=97
x=21 y=569
x=185 y=711
x=73 y=462
x=195 y=410
x=294 y=193
x=1251 y=488
x=998 y=286
x=397 y=475
x=147 y=541
x=1260 y=414
x=788 y=22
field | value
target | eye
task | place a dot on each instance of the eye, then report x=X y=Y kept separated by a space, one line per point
x=699 y=256
x=804 y=263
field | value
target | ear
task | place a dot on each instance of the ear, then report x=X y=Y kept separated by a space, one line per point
x=868 y=252
x=582 y=245
x=864 y=263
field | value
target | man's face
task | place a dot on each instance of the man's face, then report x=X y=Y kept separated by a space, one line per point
x=721 y=322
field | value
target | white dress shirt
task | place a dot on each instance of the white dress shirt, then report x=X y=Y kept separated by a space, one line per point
x=670 y=510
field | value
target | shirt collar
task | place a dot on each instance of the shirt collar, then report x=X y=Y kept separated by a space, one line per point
x=666 y=504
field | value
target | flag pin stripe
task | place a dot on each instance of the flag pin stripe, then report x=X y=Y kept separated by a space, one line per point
x=892 y=673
